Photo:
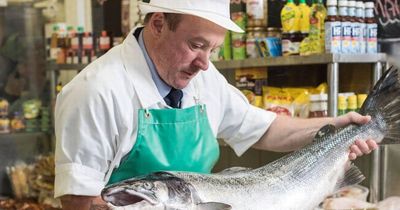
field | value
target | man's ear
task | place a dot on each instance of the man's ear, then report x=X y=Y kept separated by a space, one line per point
x=156 y=24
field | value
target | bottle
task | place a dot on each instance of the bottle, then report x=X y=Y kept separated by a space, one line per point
x=291 y=37
x=54 y=43
x=79 y=53
x=68 y=37
x=362 y=26
x=355 y=28
x=346 y=27
x=305 y=12
x=372 y=28
x=333 y=29
x=61 y=55
x=104 y=42
x=319 y=12
x=342 y=105
x=352 y=103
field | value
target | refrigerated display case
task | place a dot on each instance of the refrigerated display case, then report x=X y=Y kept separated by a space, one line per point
x=22 y=80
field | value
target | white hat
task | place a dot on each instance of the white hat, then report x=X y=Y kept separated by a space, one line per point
x=216 y=11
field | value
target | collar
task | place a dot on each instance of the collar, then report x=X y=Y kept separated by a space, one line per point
x=163 y=88
x=135 y=64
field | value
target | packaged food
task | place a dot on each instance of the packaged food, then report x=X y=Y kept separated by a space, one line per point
x=250 y=82
x=278 y=101
x=17 y=122
x=4 y=125
x=32 y=108
x=4 y=107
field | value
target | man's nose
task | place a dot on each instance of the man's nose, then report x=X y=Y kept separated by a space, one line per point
x=201 y=60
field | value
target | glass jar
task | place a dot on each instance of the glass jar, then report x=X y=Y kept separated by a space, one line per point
x=257 y=13
x=318 y=105
x=252 y=35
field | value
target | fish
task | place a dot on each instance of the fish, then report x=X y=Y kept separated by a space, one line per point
x=298 y=181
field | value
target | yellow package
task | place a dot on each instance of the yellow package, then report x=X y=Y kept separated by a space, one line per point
x=277 y=100
x=300 y=103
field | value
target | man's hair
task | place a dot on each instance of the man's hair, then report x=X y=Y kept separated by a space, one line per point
x=172 y=19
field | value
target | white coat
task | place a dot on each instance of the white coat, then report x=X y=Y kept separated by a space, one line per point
x=96 y=116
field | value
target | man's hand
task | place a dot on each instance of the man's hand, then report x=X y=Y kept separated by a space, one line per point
x=360 y=147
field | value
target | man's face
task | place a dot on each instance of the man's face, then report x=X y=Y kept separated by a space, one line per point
x=182 y=53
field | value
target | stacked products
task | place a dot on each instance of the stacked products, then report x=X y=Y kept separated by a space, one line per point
x=69 y=46
x=31 y=117
x=350 y=101
x=343 y=26
x=351 y=30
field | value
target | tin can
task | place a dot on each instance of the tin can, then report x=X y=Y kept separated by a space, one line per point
x=252 y=35
x=238 y=46
x=257 y=13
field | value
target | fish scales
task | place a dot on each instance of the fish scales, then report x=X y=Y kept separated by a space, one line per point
x=298 y=181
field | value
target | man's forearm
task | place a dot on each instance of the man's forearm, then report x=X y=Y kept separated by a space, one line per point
x=75 y=202
x=287 y=134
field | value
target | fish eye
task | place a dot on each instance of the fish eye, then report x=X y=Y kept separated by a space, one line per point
x=147 y=185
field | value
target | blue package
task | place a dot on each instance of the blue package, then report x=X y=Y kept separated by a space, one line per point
x=269 y=46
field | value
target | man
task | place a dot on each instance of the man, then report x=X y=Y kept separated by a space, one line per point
x=156 y=102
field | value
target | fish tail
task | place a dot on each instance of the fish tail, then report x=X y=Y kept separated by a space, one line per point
x=383 y=102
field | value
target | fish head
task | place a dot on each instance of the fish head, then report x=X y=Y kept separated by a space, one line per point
x=136 y=190
x=155 y=189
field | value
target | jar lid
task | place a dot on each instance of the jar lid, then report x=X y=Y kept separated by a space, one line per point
x=255 y=29
x=273 y=29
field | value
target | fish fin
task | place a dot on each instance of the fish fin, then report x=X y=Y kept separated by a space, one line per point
x=233 y=170
x=324 y=131
x=213 y=206
x=351 y=177
x=384 y=102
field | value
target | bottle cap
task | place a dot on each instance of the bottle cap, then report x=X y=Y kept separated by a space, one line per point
x=369 y=5
x=343 y=3
x=351 y=4
x=360 y=4
x=331 y=2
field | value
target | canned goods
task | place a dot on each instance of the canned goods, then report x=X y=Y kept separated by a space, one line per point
x=257 y=13
x=238 y=46
x=252 y=35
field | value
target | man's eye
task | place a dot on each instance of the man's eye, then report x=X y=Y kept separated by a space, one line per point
x=196 y=46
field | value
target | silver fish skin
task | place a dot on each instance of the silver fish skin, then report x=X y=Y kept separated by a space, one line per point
x=297 y=181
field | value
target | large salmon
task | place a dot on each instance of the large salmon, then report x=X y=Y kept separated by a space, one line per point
x=297 y=181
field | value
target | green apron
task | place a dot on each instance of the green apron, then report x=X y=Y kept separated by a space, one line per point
x=170 y=139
